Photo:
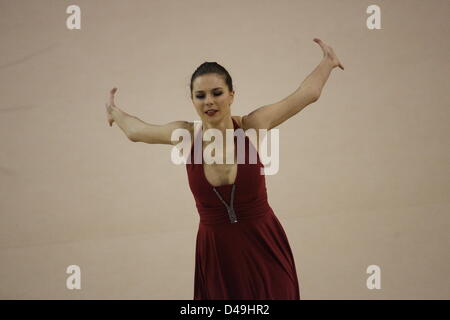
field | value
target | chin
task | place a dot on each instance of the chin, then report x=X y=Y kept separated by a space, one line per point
x=212 y=119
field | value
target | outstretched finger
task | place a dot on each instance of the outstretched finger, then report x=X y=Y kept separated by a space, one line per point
x=108 y=114
x=111 y=97
x=321 y=44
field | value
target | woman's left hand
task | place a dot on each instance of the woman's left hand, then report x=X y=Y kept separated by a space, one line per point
x=328 y=53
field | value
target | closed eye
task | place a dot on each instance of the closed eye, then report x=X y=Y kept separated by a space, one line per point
x=216 y=94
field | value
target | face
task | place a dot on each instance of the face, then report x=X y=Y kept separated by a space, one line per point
x=210 y=91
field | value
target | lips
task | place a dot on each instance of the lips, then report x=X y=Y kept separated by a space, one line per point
x=211 y=112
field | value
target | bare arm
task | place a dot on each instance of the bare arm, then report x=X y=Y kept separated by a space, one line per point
x=158 y=134
x=272 y=115
x=139 y=131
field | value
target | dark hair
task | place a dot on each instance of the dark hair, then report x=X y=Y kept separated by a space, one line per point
x=212 y=67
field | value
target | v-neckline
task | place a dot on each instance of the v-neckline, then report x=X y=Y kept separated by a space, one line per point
x=237 y=162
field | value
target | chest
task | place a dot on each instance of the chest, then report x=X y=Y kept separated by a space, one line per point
x=218 y=174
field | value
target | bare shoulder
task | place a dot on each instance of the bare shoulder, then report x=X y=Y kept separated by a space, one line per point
x=238 y=120
x=188 y=125
x=255 y=135
x=247 y=122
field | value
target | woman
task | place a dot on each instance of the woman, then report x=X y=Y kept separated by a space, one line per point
x=242 y=251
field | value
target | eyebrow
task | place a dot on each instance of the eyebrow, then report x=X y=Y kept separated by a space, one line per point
x=211 y=89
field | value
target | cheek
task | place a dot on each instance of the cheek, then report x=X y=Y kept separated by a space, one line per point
x=223 y=101
x=200 y=111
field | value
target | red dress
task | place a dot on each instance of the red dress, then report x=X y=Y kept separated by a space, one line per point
x=242 y=251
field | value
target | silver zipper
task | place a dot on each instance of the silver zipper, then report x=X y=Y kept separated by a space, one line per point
x=230 y=209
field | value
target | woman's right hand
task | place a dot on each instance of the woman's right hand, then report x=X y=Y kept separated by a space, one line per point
x=110 y=105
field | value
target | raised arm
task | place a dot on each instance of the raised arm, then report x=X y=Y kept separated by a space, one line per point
x=139 y=131
x=272 y=115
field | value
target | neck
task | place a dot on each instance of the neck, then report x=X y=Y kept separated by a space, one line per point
x=222 y=126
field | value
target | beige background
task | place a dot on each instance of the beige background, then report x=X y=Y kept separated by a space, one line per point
x=364 y=171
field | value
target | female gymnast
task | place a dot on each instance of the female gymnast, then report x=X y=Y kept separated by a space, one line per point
x=242 y=251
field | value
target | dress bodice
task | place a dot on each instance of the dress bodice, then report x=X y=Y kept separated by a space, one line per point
x=248 y=190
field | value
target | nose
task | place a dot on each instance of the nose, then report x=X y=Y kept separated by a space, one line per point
x=208 y=100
